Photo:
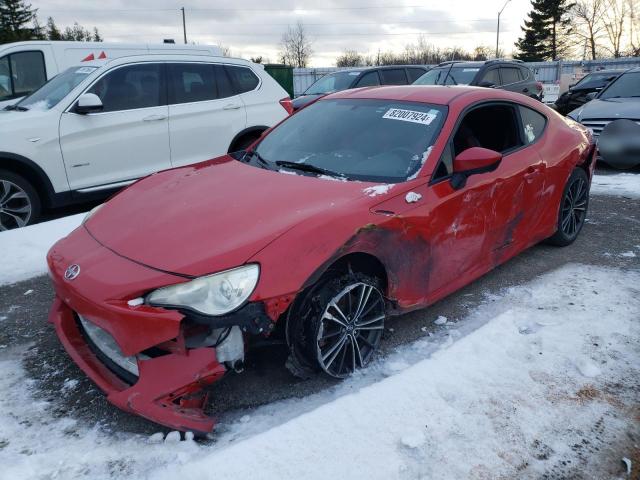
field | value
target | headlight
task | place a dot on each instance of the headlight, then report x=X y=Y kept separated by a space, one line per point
x=91 y=212
x=215 y=294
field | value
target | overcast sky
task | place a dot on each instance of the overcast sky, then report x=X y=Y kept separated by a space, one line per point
x=254 y=27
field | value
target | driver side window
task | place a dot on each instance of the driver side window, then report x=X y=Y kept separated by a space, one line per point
x=495 y=127
x=492 y=76
x=130 y=87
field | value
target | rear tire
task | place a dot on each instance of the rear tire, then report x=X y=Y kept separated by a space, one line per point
x=244 y=142
x=573 y=209
x=19 y=201
x=337 y=327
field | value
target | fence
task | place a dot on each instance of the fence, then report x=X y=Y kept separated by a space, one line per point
x=545 y=72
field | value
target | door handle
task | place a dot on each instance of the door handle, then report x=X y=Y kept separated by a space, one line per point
x=231 y=106
x=154 y=118
x=525 y=90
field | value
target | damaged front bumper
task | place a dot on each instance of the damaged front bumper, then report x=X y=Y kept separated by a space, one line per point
x=168 y=389
x=143 y=358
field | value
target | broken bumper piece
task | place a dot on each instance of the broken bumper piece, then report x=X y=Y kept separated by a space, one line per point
x=166 y=389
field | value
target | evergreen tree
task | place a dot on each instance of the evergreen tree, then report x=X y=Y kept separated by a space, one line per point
x=96 y=35
x=16 y=18
x=546 y=31
x=53 y=32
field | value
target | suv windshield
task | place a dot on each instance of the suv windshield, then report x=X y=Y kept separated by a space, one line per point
x=457 y=75
x=50 y=94
x=332 y=83
x=372 y=140
x=625 y=86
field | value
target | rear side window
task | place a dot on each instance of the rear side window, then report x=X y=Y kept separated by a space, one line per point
x=369 y=79
x=131 y=87
x=191 y=82
x=414 y=74
x=510 y=75
x=21 y=73
x=242 y=78
x=393 y=77
x=533 y=124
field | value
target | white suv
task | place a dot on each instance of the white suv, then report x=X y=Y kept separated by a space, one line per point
x=100 y=126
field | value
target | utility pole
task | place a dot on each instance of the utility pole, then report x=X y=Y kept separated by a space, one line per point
x=498 y=30
x=184 y=26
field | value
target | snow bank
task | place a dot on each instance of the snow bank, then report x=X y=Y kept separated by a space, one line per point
x=508 y=393
x=620 y=184
x=24 y=250
x=507 y=399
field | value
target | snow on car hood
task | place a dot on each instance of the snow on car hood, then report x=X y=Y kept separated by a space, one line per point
x=609 y=109
x=212 y=216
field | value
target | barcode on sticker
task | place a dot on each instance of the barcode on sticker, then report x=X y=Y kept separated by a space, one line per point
x=410 y=116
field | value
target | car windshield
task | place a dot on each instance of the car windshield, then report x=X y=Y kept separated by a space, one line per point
x=594 y=78
x=625 y=86
x=358 y=139
x=332 y=83
x=460 y=75
x=50 y=94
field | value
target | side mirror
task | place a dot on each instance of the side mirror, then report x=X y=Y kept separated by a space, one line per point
x=486 y=84
x=88 y=103
x=472 y=161
x=590 y=96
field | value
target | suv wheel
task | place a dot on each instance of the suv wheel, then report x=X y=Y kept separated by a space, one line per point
x=19 y=201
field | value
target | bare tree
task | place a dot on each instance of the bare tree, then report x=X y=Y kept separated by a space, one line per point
x=587 y=17
x=295 y=46
x=634 y=27
x=615 y=16
x=350 y=58
x=225 y=50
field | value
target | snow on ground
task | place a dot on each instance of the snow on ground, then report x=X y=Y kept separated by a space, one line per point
x=619 y=184
x=525 y=385
x=24 y=250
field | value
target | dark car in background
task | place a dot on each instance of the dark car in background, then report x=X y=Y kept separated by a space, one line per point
x=510 y=75
x=359 y=77
x=614 y=120
x=576 y=96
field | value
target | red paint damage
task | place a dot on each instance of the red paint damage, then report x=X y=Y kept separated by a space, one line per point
x=220 y=214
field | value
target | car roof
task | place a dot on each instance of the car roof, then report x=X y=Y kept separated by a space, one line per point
x=435 y=94
x=163 y=57
x=377 y=67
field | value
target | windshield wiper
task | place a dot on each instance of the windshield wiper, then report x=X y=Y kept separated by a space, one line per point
x=254 y=154
x=307 y=167
x=16 y=107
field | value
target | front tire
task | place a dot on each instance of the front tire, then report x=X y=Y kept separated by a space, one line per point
x=573 y=209
x=19 y=202
x=337 y=327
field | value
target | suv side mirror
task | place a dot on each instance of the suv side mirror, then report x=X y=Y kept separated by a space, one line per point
x=486 y=84
x=590 y=96
x=472 y=161
x=88 y=103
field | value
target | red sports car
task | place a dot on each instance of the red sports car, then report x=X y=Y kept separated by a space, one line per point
x=366 y=204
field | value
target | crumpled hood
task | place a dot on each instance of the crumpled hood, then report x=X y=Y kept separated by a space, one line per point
x=613 y=108
x=212 y=216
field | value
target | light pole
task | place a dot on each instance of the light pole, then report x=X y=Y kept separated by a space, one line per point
x=498 y=30
x=184 y=25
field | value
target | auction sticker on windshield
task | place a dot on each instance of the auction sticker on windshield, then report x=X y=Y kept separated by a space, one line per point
x=413 y=116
